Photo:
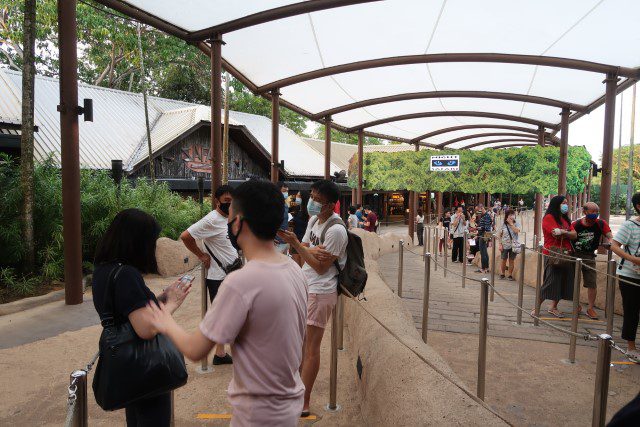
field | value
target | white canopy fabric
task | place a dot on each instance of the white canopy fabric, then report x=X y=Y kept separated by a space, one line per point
x=598 y=31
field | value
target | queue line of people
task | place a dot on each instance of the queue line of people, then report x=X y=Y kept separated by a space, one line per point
x=272 y=311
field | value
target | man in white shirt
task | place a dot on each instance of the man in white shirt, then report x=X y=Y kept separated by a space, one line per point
x=324 y=242
x=212 y=230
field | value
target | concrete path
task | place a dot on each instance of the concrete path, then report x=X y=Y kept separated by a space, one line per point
x=453 y=309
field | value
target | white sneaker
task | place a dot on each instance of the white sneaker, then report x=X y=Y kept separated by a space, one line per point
x=633 y=356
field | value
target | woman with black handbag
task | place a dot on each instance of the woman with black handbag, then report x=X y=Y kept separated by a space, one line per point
x=137 y=368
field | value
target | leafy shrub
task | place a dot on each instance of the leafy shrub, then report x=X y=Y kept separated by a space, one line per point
x=100 y=201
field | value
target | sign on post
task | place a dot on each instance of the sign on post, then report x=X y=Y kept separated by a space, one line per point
x=446 y=163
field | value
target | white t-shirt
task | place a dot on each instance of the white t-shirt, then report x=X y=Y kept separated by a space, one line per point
x=335 y=242
x=353 y=221
x=419 y=219
x=212 y=230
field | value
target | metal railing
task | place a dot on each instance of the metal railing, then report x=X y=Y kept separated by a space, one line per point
x=605 y=342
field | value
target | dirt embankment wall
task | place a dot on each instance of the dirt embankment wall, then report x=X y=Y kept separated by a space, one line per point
x=396 y=386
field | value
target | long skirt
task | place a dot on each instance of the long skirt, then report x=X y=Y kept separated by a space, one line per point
x=558 y=281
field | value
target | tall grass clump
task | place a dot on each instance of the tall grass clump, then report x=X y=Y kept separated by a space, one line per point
x=100 y=201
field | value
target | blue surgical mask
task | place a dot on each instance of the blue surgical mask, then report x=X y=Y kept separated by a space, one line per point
x=592 y=216
x=564 y=208
x=298 y=201
x=285 y=195
x=313 y=207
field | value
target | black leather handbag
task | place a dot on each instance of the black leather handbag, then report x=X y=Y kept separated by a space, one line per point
x=130 y=368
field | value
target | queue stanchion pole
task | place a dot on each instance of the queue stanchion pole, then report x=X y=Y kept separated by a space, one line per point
x=400 y=262
x=538 y=286
x=574 y=313
x=424 y=241
x=611 y=294
x=340 y=305
x=333 y=368
x=523 y=257
x=464 y=258
x=80 y=411
x=601 y=391
x=172 y=420
x=425 y=297
x=436 y=240
x=445 y=252
x=493 y=265
x=204 y=364
x=606 y=296
x=482 y=344
x=427 y=242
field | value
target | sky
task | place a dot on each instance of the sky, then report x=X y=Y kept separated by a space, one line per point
x=589 y=129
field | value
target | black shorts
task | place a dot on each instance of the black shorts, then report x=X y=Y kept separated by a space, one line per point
x=212 y=287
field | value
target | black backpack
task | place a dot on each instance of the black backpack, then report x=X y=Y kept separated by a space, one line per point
x=353 y=278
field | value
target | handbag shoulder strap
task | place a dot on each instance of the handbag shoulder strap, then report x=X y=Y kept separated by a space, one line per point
x=107 y=317
x=509 y=231
x=212 y=255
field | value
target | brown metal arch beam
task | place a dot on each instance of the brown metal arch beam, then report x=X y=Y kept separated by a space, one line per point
x=452 y=114
x=450 y=94
x=271 y=15
x=493 y=141
x=483 y=135
x=515 y=145
x=547 y=61
x=480 y=126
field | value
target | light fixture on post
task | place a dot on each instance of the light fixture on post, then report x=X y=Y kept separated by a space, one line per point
x=116 y=174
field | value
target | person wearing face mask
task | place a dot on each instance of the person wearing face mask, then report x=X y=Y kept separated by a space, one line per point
x=261 y=310
x=558 y=278
x=212 y=230
x=588 y=234
x=324 y=244
x=508 y=238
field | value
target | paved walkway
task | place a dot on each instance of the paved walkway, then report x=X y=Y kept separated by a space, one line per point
x=453 y=309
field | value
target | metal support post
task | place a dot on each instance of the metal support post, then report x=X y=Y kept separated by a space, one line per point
x=80 y=412
x=340 y=305
x=360 y=160
x=607 y=145
x=606 y=291
x=564 y=146
x=538 y=285
x=482 y=344
x=611 y=294
x=493 y=265
x=327 y=147
x=601 y=391
x=333 y=368
x=523 y=257
x=574 y=314
x=400 y=262
x=425 y=241
x=216 y=113
x=275 y=134
x=70 y=152
x=464 y=258
x=204 y=364
x=425 y=297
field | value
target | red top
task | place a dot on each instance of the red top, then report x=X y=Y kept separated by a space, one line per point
x=548 y=224
x=372 y=218
x=336 y=208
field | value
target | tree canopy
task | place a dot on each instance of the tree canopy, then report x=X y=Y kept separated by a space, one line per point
x=516 y=170
x=108 y=56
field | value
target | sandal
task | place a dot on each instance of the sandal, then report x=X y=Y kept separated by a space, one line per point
x=591 y=314
x=511 y=279
x=502 y=276
x=555 y=312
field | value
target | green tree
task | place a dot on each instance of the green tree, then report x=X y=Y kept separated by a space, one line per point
x=345 y=138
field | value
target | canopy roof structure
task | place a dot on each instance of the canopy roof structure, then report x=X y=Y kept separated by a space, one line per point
x=402 y=69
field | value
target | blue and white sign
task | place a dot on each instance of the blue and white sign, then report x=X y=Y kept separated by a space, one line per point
x=446 y=163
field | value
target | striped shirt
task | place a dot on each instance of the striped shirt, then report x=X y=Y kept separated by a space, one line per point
x=629 y=236
x=485 y=224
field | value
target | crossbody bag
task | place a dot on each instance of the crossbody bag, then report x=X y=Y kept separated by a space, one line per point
x=515 y=245
x=235 y=265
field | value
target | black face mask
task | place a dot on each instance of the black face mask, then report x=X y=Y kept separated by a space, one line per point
x=224 y=207
x=233 y=238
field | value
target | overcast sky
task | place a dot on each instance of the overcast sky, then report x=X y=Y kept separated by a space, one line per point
x=589 y=130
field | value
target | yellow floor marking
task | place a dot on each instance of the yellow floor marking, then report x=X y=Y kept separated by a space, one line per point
x=228 y=417
x=568 y=319
x=623 y=363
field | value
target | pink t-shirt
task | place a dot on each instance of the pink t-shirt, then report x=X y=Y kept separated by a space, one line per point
x=261 y=311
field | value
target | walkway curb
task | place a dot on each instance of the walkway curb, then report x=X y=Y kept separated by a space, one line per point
x=30 y=302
